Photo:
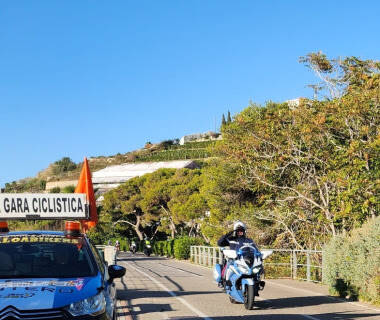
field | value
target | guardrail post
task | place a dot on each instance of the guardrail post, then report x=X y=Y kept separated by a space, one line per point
x=294 y=264
x=214 y=256
x=208 y=256
x=323 y=267
x=308 y=266
x=291 y=264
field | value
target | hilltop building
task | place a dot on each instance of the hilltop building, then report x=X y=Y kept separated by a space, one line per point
x=197 y=137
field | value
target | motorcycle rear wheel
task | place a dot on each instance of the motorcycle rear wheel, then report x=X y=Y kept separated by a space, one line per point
x=249 y=297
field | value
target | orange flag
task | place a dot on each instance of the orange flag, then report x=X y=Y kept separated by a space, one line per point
x=85 y=186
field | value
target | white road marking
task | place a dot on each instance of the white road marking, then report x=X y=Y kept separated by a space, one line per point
x=183 y=301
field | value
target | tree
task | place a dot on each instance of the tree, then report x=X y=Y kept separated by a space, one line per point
x=157 y=196
x=338 y=75
x=64 y=165
x=123 y=204
x=187 y=204
x=223 y=121
x=229 y=120
x=315 y=166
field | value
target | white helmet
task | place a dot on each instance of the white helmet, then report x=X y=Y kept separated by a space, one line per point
x=239 y=225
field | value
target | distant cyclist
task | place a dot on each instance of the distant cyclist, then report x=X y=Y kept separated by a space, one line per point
x=117 y=246
x=133 y=246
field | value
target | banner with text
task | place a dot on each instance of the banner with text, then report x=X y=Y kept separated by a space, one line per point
x=43 y=206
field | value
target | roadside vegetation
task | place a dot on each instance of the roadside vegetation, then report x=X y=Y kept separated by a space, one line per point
x=353 y=263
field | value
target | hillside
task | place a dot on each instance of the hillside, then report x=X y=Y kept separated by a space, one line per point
x=66 y=170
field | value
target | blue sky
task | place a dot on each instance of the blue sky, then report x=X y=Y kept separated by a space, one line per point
x=90 y=78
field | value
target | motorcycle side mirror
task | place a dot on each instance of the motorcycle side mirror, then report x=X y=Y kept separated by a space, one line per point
x=115 y=271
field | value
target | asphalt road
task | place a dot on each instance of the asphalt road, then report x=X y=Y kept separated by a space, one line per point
x=156 y=288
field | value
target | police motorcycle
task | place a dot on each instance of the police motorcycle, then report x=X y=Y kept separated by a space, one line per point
x=147 y=248
x=243 y=274
x=133 y=247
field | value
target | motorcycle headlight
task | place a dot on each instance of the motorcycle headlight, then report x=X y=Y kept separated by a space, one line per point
x=243 y=269
x=256 y=270
x=90 y=306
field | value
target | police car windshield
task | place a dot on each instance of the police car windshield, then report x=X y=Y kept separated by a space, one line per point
x=35 y=256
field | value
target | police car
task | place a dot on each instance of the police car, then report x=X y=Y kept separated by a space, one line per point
x=54 y=275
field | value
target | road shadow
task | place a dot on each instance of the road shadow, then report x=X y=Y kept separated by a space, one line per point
x=297 y=302
x=142 y=293
x=135 y=310
x=142 y=308
x=139 y=258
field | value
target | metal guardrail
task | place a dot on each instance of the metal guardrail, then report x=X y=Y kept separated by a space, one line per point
x=283 y=263
x=108 y=253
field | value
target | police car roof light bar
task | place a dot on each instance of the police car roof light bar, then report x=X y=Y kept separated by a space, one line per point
x=4 y=226
x=72 y=228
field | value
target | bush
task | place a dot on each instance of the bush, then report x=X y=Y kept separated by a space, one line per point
x=352 y=263
x=55 y=190
x=68 y=189
x=159 y=248
x=182 y=246
x=170 y=248
x=64 y=165
x=177 y=248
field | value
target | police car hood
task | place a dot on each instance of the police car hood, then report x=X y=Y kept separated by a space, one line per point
x=32 y=294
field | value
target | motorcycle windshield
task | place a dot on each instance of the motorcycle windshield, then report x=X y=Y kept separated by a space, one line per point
x=249 y=254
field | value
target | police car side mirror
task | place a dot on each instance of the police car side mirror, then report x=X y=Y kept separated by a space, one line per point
x=115 y=271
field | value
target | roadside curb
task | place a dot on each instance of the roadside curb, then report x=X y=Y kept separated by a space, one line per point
x=123 y=311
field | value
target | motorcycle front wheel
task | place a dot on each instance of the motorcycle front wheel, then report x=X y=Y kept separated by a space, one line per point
x=249 y=297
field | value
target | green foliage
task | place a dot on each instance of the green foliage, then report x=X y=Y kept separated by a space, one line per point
x=164 y=248
x=178 y=248
x=182 y=246
x=68 y=189
x=229 y=120
x=96 y=236
x=26 y=185
x=223 y=120
x=352 y=263
x=308 y=172
x=55 y=190
x=64 y=165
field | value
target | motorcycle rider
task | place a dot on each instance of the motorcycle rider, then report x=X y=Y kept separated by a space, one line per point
x=234 y=239
x=133 y=246
x=148 y=248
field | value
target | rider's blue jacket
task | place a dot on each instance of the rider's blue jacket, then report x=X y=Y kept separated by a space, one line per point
x=235 y=242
